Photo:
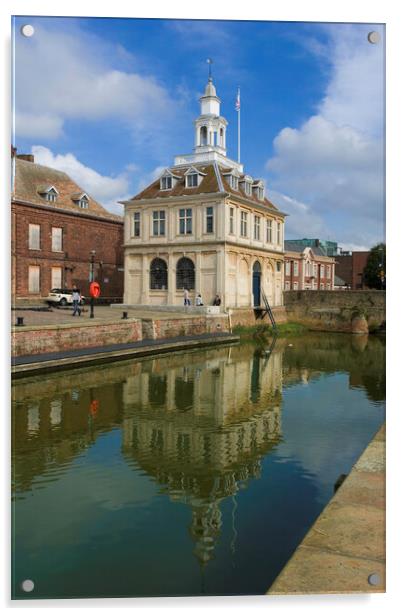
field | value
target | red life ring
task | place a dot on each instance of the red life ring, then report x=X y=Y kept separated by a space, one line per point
x=94 y=289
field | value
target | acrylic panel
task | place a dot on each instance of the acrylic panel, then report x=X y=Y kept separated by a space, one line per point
x=198 y=308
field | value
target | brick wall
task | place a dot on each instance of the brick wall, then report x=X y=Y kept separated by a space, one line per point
x=48 y=339
x=169 y=328
x=80 y=235
x=51 y=339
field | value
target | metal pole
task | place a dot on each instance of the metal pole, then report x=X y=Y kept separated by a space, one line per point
x=238 y=136
x=91 y=315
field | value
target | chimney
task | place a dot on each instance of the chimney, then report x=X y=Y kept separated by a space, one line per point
x=28 y=157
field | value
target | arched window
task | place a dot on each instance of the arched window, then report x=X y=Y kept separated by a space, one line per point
x=185 y=274
x=204 y=135
x=158 y=274
x=257 y=268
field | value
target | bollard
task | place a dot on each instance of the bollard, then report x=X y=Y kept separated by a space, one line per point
x=125 y=315
x=20 y=321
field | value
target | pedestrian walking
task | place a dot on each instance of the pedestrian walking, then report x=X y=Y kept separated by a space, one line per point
x=76 y=302
x=186 y=298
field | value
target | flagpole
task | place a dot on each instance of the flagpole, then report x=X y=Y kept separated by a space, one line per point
x=238 y=127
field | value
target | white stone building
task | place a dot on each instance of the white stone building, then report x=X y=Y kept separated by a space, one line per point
x=204 y=225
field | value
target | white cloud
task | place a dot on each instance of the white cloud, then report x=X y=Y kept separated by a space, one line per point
x=68 y=75
x=334 y=161
x=300 y=216
x=42 y=125
x=105 y=189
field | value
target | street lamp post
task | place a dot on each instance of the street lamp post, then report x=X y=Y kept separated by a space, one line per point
x=92 y=279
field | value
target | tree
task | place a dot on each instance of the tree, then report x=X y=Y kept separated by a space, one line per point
x=374 y=273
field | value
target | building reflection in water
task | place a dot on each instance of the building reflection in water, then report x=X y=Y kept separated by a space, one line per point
x=201 y=430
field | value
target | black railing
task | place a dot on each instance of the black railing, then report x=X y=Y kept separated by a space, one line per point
x=267 y=310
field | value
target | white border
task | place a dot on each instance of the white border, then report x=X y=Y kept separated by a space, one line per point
x=386 y=11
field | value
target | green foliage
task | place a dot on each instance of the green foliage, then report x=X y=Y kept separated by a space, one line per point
x=374 y=274
x=263 y=332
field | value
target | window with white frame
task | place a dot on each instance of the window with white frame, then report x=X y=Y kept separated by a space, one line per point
x=192 y=180
x=209 y=219
x=296 y=268
x=159 y=223
x=231 y=220
x=248 y=188
x=287 y=268
x=315 y=269
x=269 y=231
x=328 y=271
x=257 y=222
x=136 y=224
x=234 y=182
x=295 y=286
x=329 y=286
x=57 y=241
x=166 y=182
x=287 y=285
x=322 y=271
x=34 y=237
x=185 y=221
x=83 y=203
x=243 y=223
x=51 y=196
x=34 y=279
x=56 y=278
x=278 y=232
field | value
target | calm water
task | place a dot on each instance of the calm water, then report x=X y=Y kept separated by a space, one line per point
x=196 y=473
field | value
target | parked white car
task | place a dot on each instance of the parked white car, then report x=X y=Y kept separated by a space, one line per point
x=62 y=297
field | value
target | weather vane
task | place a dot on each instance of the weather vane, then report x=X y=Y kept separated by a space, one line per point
x=209 y=62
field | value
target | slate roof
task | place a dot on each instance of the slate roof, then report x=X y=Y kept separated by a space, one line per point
x=209 y=184
x=293 y=247
x=339 y=282
x=31 y=178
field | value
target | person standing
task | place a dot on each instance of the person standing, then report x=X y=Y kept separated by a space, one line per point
x=217 y=300
x=76 y=302
x=186 y=298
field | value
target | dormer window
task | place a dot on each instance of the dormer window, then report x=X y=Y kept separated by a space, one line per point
x=234 y=182
x=192 y=180
x=258 y=190
x=193 y=177
x=246 y=184
x=168 y=180
x=233 y=179
x=48 y=192
x=81 y=199
x=83 y=203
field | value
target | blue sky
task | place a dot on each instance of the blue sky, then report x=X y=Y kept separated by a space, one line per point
x=111 y=102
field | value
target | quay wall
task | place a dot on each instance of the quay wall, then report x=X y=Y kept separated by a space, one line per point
x=57 y=338
x=336 y=310
x=245 y=317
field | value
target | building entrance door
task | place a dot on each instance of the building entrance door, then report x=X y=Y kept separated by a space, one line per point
x=257 y=284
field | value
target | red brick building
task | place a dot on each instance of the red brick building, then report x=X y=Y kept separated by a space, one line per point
x=308 y=268
x=350 y=268
x=55 y=228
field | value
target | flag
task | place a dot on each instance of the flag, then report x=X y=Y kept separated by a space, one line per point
x=237 y=105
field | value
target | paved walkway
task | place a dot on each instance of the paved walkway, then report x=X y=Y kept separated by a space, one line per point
x=346 y=545
x=62 y=316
